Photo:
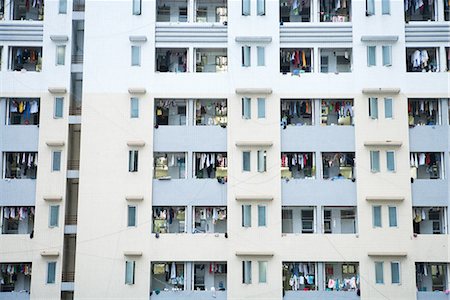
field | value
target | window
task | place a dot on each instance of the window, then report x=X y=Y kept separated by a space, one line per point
x=62 y=6
x=262 y=216
x=246 y=216
x=169 y=165
x=131 y=216
x=246 y=56
x=246 y=161
x=262 y=161
x=261 y=56
x=134 y=108
x=375 y=161
x=388 y=108
x=373 y=108
x=262 y=267
x=60 y=55
x=54 y=216
x=379 y=272
x=395 y=272
x=246 y=7
x=135 y=55
x=261 y=108
x=59 y=103
x=51 y=272
x=385 y=7
x=371 y=59
x=56 y=161
x=133 y=161
x=247 y=272
x=261 y=7
x=376 y=212
x=390 y=161
x=392 y=216
x=370 y=7
x=387 y=55
x=246 y=108
x=307 y=220
x=129 y=271
x=137 y=7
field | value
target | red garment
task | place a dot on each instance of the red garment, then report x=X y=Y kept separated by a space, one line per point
x=427 y=159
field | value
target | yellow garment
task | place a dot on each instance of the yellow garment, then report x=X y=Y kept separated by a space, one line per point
x=21 y=106
x=303 y=59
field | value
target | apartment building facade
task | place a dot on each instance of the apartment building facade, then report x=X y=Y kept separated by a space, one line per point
x=245 y=149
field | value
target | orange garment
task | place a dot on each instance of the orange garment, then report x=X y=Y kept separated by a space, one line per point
x=303 y=59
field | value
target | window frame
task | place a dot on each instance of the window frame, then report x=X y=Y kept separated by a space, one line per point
x=135 y=55
x=375 y=161
x=62 y=7
x=261 y=56
x=246 y=271
x=373 y=108
x=55 y=109
x=53 y=223
x=387 y=60
x=385 y=7
x=395 y=223
x=370 y=8
x=376 y=214
x=246 y=8
x=51 y=271
x=388 y=102
x=133 y=161
x=261 y=103
x=56 y=168
x=379 y=272
x=246 y=108
x=262 y=271
x=60 y=56
x=131 y=212
x=371 y=50
x=260 y=7
x=246 y=154
x=130 y=266
x=246 y=215
x=134 y=107
x=393 y=169
x=262 y=161
x=246 y=56
x=262 y=215
x=137 y=7
x=398 y=270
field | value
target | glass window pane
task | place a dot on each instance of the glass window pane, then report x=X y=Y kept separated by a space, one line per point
x=261 y=55
x=133 y=161
x=51 y=272
x=376 y=216
x=385 y=7
x=60 y=55
x=387 y=55
x=392 y=216
x=373 y=108
x=246 y=215
x=59 y=107
x=262 y=266
x=246 y=56
x=261 y=215
x=246 y=108
x=137 y=7
x=379 y=272
x=245 y=7
x=262 y=157
x=370 y=7
x=246 y=161
x=56 y=165
x=375 y=161
x=131 y=216
x=261 y=7
x=129 y=272
x=62 y=6
x=395 y=272
x=54 y=216
x=387 y=107
x=390 y=161
x=134 y=108
x=247 y=272
x=371 y=59
x=261 y=108
x=135 y=55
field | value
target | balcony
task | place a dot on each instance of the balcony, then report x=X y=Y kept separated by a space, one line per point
x=422 y=59
x=210 y=219
x=78 y=5
x=295 y=60
x=17 y=220
x=430 y=220
x=188 y=280
x=173 y=60
x=16 y=280
x=430 y=192
x=339 y=220
x=431 y=278
x=205 y=11
x=298 y=220
x=335 y=60
x=425 y=13
x=25 y=59
x=24 y=10
x=211 y=60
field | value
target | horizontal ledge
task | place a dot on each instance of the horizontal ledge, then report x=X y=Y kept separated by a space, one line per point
x=55 y=143
x=254 y=198
x=136 y=143
x=254 y=253
x=379 y=38
x=385 y=198
x=390 y=254
x=265 y=91
x=52 y=198
x=134 y=198
x=47 y=253
x=138 y=38
x=383 y=143
x=381 y=91
x=57 y=90
x=137 y=90
x=254 y=144
x=132 y=253
x=253 y=39
x=59 y=38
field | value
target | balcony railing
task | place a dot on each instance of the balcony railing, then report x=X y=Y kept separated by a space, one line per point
x=77 y=58
x=68 y=276
x=73 y=164
x=71 y=220
x=78 y=5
